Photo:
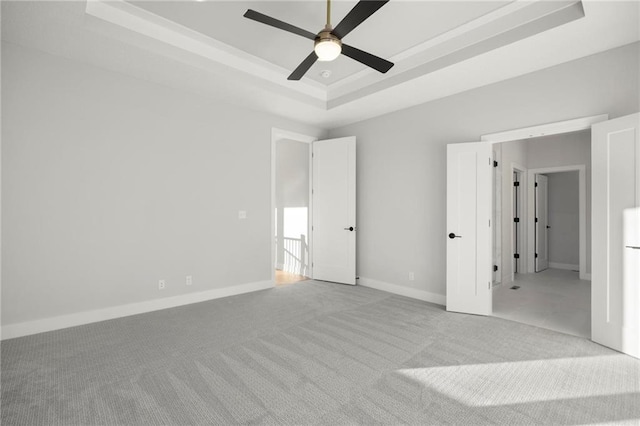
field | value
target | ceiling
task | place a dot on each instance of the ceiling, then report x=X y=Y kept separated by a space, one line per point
x=439 y=48
x=223 y=21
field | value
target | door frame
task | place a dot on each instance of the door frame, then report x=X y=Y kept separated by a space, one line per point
x=548 y=129
x=278 y=135
x=538 y=178
x=582 y=214
x=524 y=215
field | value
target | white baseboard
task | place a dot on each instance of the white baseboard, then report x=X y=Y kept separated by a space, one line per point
x=64 y=321
x=403 y=291
x=567 y=266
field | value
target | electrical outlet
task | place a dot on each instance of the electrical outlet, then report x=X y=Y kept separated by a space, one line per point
x=411 y=276
x=161 y=285
x=242 y=214
x=189 y=280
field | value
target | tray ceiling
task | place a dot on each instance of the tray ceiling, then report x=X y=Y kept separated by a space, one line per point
x=396 y=27
x=439 y=48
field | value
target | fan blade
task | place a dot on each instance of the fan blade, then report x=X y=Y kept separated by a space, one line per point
x=368 y=59
x=303 y=67
x=259 y=17
x=357 y=16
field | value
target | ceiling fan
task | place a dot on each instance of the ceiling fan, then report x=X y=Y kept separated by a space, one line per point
x=328 y=42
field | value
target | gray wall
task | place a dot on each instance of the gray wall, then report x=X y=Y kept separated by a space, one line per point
x=110 y=183
x=402 y=155
x=563 y=218
x=292 y=203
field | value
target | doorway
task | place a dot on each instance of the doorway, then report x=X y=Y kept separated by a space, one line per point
x=313 y=208
x=557 y=228
x=541 y=222
x=291 y=207
x=292 y=212
x=548 y=212
x=614 y=297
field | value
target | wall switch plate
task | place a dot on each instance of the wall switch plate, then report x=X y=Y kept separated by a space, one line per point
x=161 y=285
x=242 y=214
x=411 y=276
x=189 y=280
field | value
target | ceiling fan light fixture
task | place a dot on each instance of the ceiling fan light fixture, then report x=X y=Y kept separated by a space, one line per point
x=327 y=46
x=327 y=43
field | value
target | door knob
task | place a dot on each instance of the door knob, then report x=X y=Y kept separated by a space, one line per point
x=452 y=236
x=351 y=228
x=634 y=247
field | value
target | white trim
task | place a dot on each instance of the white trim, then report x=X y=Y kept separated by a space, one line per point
x=71 y=320
x=583 y=123
x=586 y=277
x=565 y=266
x=523 y=217
x=462 y=30
x=496 y=217
x=136 y=19
x=582 y=215
x=277 y=135
x=413 y=293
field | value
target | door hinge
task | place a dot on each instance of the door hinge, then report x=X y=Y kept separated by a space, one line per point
x=516 y=255
x=495 y=164
x=516 y=219
x=536 y=184
x=516 y=183
x=536 y=255
x=495 y=268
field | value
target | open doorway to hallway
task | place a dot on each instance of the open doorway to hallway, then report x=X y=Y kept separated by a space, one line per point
x=545 y=239
x=291 y=211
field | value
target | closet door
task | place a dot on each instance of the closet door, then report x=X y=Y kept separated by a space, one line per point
x=469 y=238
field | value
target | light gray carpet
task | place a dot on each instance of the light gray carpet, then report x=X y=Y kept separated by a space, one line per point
x=314 y=353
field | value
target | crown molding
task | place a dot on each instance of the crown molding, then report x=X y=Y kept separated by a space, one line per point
x=138 y=20
x=506 y=25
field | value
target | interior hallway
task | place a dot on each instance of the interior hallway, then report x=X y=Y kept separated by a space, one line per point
x=554 y=299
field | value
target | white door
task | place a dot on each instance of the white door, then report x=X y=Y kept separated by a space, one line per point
x=497 y=218
x=615 y=209
x=469 y=239
x=542 y=223
x=334 y=210
x=517 y=227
